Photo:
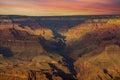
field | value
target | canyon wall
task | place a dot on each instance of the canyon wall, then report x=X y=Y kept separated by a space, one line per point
x=60 y=48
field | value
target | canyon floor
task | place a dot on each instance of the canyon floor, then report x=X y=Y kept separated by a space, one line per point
x=60 y=47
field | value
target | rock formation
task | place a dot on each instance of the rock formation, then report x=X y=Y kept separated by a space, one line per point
x=60 y=48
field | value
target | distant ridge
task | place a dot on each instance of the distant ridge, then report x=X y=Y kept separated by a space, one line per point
x=63 y=15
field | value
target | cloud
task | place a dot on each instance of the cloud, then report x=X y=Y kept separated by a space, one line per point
x=60 y=7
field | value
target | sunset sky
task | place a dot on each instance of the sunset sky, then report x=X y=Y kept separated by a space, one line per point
x=59 y=7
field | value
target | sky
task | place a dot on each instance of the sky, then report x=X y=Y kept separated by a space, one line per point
x=59 y=7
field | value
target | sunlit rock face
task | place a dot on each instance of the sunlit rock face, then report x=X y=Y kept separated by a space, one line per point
x=92 y=35
x=60 y=48
x=23 y=27
x=89 y=26
x=104 y=65
x=95 y=47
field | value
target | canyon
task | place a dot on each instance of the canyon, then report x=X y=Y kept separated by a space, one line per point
x=60 y=47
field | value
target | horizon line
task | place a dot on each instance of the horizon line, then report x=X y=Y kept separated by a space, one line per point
x=57 y=15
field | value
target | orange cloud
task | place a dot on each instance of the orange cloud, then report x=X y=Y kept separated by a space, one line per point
x=59 y=7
